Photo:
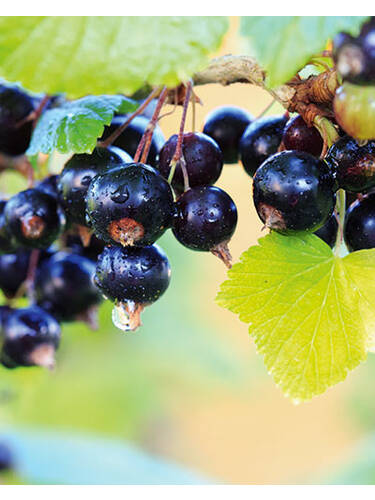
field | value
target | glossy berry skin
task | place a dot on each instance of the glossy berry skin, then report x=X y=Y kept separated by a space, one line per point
x=299 y=137
x=130 y=205
x=14 y=267
x=354 y=164
x=130 y=138
x=13 y=271
x=328 y=232
x=355 y=57
x=6 y=457
x=226 y=125
x=7 y=245
x=206 y=217
x=140 y=275
x=33 y=218
x=24 y=331
x=77 y=174
x=204 y=160
x=260 y=140
x=15 y=106
x=294 y=191
x=64 y=286
x=359 y=229
x=49 y=185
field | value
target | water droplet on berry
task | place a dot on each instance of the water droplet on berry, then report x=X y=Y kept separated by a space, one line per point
x=120 y=316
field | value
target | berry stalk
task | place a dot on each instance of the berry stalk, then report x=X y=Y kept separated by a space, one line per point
x=340 y=214
x=145 y=142
x=178 y=156
x=111 y=138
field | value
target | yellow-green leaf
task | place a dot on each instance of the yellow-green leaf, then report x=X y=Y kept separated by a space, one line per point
x=105 y=55
x=311 y=314
x=285 y=44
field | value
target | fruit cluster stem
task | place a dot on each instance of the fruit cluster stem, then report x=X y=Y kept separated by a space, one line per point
x=340 y=213
x=178 y=157
x=111 y=138
x=145 y=142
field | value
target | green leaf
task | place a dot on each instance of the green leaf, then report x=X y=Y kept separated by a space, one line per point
x=75 y=126
x=105 y=55
x=311 y=313
x=284 y=45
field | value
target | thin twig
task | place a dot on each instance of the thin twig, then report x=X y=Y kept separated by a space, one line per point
x=111 y=138
x=145 y=142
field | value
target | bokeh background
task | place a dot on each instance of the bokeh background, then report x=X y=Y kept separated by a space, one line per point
x=186 y=399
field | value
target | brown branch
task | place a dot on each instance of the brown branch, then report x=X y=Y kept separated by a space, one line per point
x=311 y=97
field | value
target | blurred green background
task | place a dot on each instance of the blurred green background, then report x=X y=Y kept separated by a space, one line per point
x=185 y=399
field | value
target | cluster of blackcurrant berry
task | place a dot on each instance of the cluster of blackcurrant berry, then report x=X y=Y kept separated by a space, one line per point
x=355 y=57
x=90 y=231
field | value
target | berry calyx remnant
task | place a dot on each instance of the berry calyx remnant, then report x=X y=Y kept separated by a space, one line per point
x=294 y=191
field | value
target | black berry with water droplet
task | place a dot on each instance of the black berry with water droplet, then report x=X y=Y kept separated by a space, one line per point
x=354 y=164
x=140 y=275
x=203 y=158
x=33 y=219
x=294 y=191
x=206 y=220
x=328 y=232
x=131 y=205
x=64 y=286
x=131 y=136
x=15 y=133
x=261 y=139
x=31 y=337
x=359 y=229
x=298 y=136
x=77 y=174
x=226 y=125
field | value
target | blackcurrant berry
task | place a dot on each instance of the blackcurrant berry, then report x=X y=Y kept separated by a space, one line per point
x=31 y=337
x=7 y=245
x=64 y=286
x=6 y=457
x=203 y=159
x=260 y=140
x=131 y=136
x=328 y=232
x=130 y=205
x=49 y=185
x=15 y=106
x=354 y=164
x=14 y=268
x=13 y=271
x=77 y=174
x=132 y=278
x=206 y=220
x=299 y=137
x=33 y=218
x=355 y=57
x=226 y=125
x=359 y=229
x=294 y=191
